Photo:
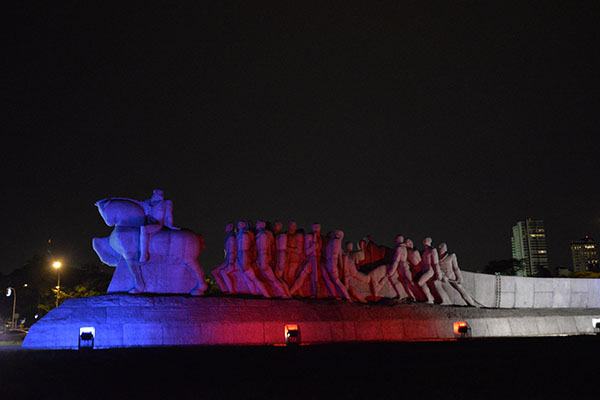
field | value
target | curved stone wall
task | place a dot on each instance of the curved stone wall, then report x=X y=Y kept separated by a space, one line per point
x=498 y=291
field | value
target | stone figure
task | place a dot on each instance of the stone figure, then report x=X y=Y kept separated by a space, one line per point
x=431 y=268
x=312 y=256
x=333 y=264
x=221 y=273
x=281 y=246
x=351 y=259
x=245 y=258
x=399 y=270
x=277 y=227
x=420 y=275
x=263 y=244
x=173 y=248
x=295 y=253
x=451 y=273
x=313 y=244
x=253 y=252
x=159 y=213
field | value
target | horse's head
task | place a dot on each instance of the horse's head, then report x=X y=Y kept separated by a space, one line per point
x=121 y=212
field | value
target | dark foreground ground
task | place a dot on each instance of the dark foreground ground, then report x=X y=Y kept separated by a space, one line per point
x=530 y=368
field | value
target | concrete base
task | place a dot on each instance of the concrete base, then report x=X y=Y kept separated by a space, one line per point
x=122 y=320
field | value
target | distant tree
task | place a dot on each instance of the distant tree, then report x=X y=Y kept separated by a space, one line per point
x=509 y=266
x=47 y=300
x=213 y=288
x=585 y=275
x=542 y=272
x=35 y=283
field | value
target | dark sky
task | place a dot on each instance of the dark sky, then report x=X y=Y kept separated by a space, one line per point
x=449 y=119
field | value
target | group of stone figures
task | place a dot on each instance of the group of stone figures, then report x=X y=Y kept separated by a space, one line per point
x=268 y=261
x=263 y=260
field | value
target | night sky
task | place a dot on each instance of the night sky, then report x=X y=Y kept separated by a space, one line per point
x=452 y=120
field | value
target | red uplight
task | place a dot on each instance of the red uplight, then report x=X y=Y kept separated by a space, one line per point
x=292 y=334
x=460 y=327
x=290 y=328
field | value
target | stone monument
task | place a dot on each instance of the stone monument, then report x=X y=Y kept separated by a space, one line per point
x=150 y=255
x=154 y=298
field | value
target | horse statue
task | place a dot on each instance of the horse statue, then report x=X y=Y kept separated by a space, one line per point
x=167 y=247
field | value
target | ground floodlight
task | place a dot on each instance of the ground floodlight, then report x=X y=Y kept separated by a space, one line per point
x=596 y=325
x=86 y=337
x=462 y=329
x=292 y=334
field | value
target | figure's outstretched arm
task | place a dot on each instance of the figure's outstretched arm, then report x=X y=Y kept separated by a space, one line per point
x=393 y=267
x=436 y=265
x=456 y=270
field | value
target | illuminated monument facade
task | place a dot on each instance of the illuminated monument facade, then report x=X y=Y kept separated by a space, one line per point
x=156 y=295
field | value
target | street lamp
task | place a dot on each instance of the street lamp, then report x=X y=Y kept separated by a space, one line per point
x=11 y=290
x=57 y=265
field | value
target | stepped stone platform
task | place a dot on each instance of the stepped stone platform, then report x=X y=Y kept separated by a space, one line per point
x=123 y=320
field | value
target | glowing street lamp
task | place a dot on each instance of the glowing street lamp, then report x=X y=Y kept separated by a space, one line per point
x=56 y=265
x=11 y=290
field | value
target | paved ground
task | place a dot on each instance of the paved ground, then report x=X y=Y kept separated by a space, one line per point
x=532 y=368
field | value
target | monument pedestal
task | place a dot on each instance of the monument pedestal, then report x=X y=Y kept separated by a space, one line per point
x=122 y=320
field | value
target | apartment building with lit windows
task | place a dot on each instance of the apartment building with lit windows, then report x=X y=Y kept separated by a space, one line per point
x=529 y=246
x=585 y=255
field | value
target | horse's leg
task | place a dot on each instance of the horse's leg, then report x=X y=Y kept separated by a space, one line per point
x=145 y=231
x=216 y=273
x=106 y=253
x=124 y=240
x=134 y=268
x=194 y=266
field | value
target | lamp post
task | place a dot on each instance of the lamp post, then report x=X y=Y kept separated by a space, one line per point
x=11 y=290
x=57 y=265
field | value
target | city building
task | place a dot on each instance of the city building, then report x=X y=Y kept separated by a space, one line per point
x=529 y=246
x=585 y=255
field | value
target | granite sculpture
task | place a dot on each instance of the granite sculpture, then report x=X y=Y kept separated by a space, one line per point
x=221 y=273
x=312 y=262
x=335 y=262
x=281 y=250
x=399 y=270
x=269 y=262
x=294 y=253
x=151 y=255
x=159 y=213
x=247 y=257
x=452 y=274
x=431 y=268
x=352 y=274
x=264 y=245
